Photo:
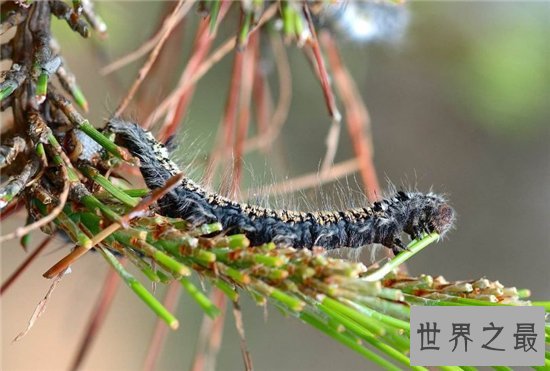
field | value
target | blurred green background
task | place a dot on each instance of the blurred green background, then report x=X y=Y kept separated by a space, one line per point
x=462 y=104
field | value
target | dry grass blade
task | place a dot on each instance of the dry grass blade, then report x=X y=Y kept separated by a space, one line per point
x=41 y=307
x=143 y=48
x=168 y=26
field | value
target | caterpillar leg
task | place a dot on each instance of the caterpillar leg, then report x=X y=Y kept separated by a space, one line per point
x=398 y=246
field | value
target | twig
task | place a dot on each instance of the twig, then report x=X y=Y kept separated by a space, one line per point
x=16 y=184
x=124 y=222
x=142 y=50
x=97 y=317
x=169 y=24
x=13 y=19
x=13 y=78
x=80 y=251
x=83 y=124
x=64 y=11
x=93 y=19
x=241 y=82
x=243 y=113
x=334 y=131
x=357 y=118
x=238 y=315
x=205 y=66
x=21 y=231
x=6 y=285
x=8 y=153
x=68 y=82
x=203 y=42
x=4 y=105
x=167 y=64
x=155 y=195
x=12 y=207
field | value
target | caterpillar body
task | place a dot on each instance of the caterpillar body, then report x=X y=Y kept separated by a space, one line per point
x=382 y=222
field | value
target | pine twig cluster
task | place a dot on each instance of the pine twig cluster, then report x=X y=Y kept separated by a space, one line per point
x=64 y=172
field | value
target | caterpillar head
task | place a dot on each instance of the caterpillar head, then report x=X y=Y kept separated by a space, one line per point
x=426 y=213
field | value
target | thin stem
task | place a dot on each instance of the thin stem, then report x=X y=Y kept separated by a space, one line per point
x=140 y=291
x=109 y=187
x=413 y=248
x=207 y=306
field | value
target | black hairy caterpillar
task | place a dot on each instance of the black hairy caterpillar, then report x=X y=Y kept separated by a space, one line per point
x=410 y=212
